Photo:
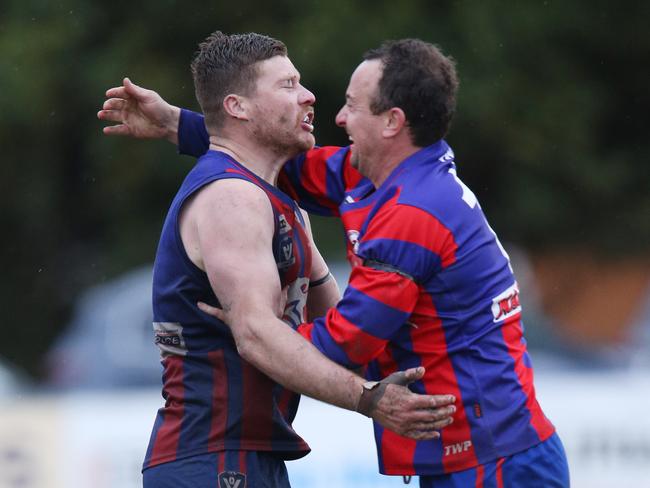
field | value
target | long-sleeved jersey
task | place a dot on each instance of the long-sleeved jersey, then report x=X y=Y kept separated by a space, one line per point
x=214 y=400
x=430 y=286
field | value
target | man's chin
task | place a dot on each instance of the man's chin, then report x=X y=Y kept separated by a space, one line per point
x=308 y=143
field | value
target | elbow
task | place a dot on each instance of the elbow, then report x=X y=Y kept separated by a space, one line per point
x=246 y=340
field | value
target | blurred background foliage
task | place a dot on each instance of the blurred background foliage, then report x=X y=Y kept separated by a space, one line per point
x=551 y=129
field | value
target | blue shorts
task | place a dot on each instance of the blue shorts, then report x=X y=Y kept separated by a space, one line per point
x=226 y=469
x=542 y=466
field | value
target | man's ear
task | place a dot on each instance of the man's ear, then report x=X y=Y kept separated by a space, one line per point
x=394 y=122
x=235 y=106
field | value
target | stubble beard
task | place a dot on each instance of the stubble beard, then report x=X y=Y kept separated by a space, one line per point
x=283 y=142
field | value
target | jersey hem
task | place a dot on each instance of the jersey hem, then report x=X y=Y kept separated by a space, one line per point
x=287 y=452
x=439 y=469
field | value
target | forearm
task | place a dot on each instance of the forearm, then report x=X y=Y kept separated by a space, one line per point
x=287 y=358
x=323 y=294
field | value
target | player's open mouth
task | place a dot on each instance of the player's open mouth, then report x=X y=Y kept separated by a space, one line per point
x=308 y=122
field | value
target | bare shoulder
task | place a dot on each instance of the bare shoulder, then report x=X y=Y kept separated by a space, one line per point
x=232 y=200
x=233 y=192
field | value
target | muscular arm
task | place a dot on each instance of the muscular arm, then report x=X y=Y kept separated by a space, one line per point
x=231 y=223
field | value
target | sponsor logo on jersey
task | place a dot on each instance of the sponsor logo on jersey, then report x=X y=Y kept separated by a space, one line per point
x=285 y=255
x=457 y=448
x=353 y=238
x=168 y=336
x=283 y=225
x=448 y=156
x=506 y=304
x=232 y=479
x=284 y=251
x=294 y=310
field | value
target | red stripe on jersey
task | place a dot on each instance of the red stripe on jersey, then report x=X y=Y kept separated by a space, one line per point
x=411 y=224
x=166 y=443
x=221 y=462
x=480 y=476
x=499 y=473
x=512 y=334
x=394 y=446
x=284 y=184
x=313 y=176
x=284 y=402
x=305 y=330
x=242 y=463
x=392 y=289
x=257 y=402
x=359 y=346
x=351 y=176
x=239 y=172
x=219 y=394
x=429 y=342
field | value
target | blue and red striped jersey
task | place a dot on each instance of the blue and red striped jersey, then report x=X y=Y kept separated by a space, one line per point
x=214 y=400
x=430 y=286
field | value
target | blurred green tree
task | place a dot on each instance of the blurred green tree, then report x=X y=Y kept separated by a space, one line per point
x=550 y=130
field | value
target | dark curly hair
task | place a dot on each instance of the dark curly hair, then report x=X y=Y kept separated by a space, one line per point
x=418 y=78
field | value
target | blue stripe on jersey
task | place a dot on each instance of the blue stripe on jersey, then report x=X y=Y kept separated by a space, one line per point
x=412 y=258
x=195 y=426
x=369 y=314
x=379 y=434
x=426 y=454
x=504 y=414
x=334 y=179
x=324 y=343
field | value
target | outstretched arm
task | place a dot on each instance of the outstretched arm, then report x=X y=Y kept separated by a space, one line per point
x=233 y=223
x=139 y=113
x=317 y=179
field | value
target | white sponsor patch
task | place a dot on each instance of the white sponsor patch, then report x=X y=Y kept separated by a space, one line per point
x=353 y=237
x=506 y=304
x=169 y=338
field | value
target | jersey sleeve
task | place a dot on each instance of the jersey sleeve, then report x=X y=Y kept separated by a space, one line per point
x=402 y=248
x=193 y=139
x=408 y=239
x=375 y=305
x=319 y=178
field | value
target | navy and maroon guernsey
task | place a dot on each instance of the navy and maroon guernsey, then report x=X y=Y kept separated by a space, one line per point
x=214 y=400
x=431 y=285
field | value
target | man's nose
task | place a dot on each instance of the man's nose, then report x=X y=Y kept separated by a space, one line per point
x=307 y=97
x=341 y=117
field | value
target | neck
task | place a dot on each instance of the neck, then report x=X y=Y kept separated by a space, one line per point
x=260 y=161
x=389 y=159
